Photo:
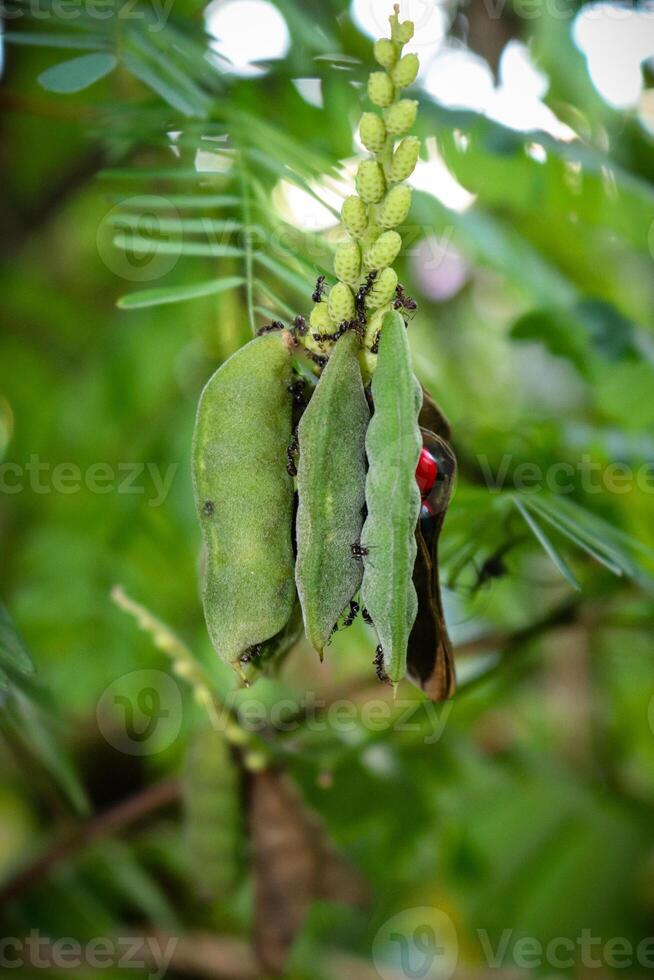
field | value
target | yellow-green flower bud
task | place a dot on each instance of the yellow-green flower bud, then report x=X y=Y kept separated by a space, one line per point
x=405 y=71
x=320 y=319
x=370 y=181
x=381 y=89
x=354 y=215
x=373 y=131
x=404 y=32
x=395 y=207
x=347 y=261
x=405 y=158
x=401 y=116
x=384 y=251
x=385 y=53
x=383 y=289
x=341 y=303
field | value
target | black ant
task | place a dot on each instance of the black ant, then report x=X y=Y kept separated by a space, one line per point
x=358 y=551
x=367 y=618
x=270 y=327
x=296 y=389
x=378 y=664
x=291 y=452
x=360 y=298
x=318 y=291
x=375 y=344
x=300 y=326
x=319 y=359
x=402 y=300
x=208 y=508
x=352 y=615
x=251 y=653
x=321 y=338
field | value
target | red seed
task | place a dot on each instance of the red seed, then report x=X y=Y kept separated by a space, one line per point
x=426 y=472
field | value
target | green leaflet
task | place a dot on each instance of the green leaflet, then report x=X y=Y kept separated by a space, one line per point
x=244 y=496
x=331 y=490
x=212 y=814
x=393 y=446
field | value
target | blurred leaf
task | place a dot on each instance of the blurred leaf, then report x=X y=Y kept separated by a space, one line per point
x=13 y=652
x=555 y=555
x=176 y=294
x=78 y=73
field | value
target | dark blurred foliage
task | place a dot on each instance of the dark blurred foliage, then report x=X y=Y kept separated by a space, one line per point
x=524 y=805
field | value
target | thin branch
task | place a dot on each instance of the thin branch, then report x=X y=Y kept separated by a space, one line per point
x=112 y=821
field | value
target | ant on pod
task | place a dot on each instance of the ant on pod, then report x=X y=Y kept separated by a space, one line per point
x=270 y=327
x=251 y=653
x=358 y=551
x=402 y=301
x=318 y=291
x=378 y=664
x=360 y=298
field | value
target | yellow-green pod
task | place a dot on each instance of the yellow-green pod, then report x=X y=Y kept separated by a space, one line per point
x=393 y=444
x=331 y=492
x=244 y=496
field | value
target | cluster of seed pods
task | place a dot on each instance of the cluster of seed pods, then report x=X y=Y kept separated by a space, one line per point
x=367 y=284
x=311 y=495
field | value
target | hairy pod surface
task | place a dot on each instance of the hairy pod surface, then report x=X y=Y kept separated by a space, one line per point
x=401 y=116
x=340 y=303
x=354 y=215
x=393 y=445
x=320 y=318
x=244 y=495
x=383 y=289
x=385 y=52
x=405 y=71
x=395 y=207
x=331 y=492
x=372 y=132
x=384 y=251
x=370 y=182
x=347 y=261
x=381 y=90
x=405 y=159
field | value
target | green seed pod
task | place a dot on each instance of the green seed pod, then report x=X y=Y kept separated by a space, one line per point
x=393 y=444
x=370 y=181
x=396 y=206
x=401 y=116
x=405 y=159
x=242 y=430
x=354 y=215
x=320 y=319
x=274 y=651
x=331 y=492
x=404 y=32
x=384 y=251
x=381 y=90
x=383 y=289
x=341 y=303
x=405 y=71
x=372 y=132
x=212 y=818
x=385 y=53
x=347 y=261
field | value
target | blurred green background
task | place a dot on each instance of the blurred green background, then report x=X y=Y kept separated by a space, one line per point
x=162 y=197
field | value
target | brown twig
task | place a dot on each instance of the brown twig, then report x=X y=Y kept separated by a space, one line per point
x=102 y=825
